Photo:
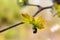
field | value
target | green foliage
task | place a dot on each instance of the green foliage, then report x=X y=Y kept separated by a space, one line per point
x=36 y=22
x=58 y=14
x=1 y=16
x=57 y=7
x=9 y=11
x=22 y=2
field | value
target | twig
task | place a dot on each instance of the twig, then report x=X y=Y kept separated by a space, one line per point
x=40 y=9
x=11 y=27
x=34 y=5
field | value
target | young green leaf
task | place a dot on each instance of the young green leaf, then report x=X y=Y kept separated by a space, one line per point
x=36 y=22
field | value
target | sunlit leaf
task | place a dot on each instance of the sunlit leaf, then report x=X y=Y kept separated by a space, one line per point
x=36 y=22
x=27 y=18
x=57 y=7
x=40 y=22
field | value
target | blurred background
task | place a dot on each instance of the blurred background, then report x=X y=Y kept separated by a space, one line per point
x=10 y=13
